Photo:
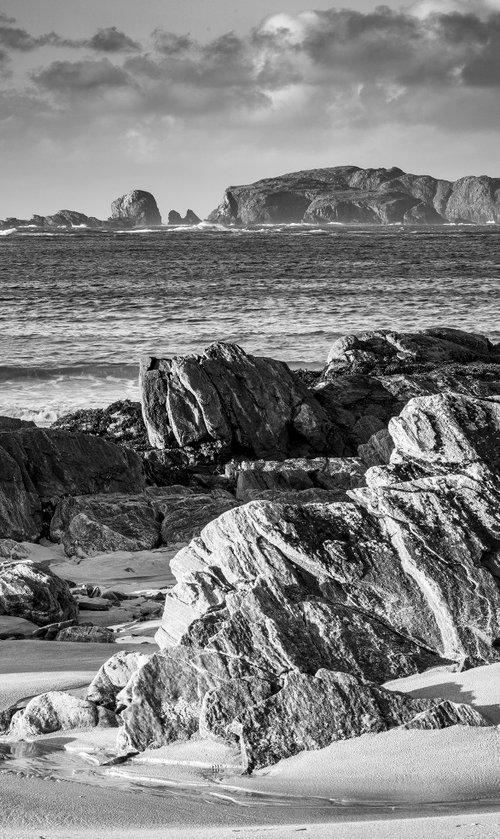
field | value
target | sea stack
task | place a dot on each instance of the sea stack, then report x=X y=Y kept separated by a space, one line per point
x=136 y=207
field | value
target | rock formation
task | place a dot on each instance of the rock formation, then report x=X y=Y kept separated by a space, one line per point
x=189 y=219
x=120 y=422
x=350 y=195
x=286 y=618
x=138 y=207
x=39 y=466
x=244 y=404
x=28 y=590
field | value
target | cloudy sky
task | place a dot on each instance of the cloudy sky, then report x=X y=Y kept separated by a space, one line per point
x=184 y=97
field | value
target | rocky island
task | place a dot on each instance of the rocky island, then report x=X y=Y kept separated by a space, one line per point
x=329 y=538
x=351 y=195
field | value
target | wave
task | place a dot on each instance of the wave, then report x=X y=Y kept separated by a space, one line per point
x=8 y=231
x=91 y=370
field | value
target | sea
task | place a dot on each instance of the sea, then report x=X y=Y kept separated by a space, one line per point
x=79 y=307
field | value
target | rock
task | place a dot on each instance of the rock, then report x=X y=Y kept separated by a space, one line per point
x=92 y=524
x=351 y=195
x=93 y=604
x=378 y=449
x=12 y=550
x=286 y=618
x=88 y=525
x=331 y=706
x=252 y=482
x=53 y=711
x=31 y=591
x=243 y=403
x=370 y=376
x=185 y=516
x=121 y=422
x=14 y=424
x=138 y=207
x=38 y=466
x=113 y=676
x=189 y=219
x=446 y=714
x=87 y=634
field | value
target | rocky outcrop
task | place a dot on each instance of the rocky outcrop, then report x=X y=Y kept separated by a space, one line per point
x=121 y=422
x=113 y=676
x=189 y=219
x=286 y=618
x=242 y=403
x=138 y=207
x=370 y=376
x=88 y=525
x=31 y=591
x=39 y=466
x=351 y=195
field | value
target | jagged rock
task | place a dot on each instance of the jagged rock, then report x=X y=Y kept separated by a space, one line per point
x=378 y=449
x=14 y=424
x=352 y=195
x=88 y=525
x=138 y=207
x=38 y=466
x=189 y=219
x=370 y=376
x=9 y=549
x=86 y=634
x=331 y=706
x=244 y=403
x=185 y=516
x=113 y=676
x=53 y=711
x=446 y=714
x=252 y=482
x=121 y=422
x=32 y=591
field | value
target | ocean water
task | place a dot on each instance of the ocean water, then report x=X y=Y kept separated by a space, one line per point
x=78 y=308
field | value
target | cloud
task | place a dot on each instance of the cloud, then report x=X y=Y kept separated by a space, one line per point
x=111 y=40
x=81 y=77
x=436 y=63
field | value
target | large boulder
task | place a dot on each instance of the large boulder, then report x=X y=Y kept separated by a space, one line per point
x=138 y=207
x=245 y=404
x=53 y=711
x=40 y=466
x=278 y=607
x=31 y=591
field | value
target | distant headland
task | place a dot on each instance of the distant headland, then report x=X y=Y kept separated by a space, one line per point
x=341 y=194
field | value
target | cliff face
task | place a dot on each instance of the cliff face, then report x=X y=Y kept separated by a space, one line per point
x=349 y=194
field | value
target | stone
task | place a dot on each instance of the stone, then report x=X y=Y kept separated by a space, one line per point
x=349 y=194
x=9 y=549
x=86 y=634
x=243 y=403
x=331 y=706
x=287 y=618
x=31 y=591
x=251 y=482
x=121 y=422
x=185 y=516
x=88 y=525
x=53 y=711
x=38 y=466
x=113 y=676
x=138 y=207
x=51 y=630
x=189 y=219
x=445 y=714
x=378 y=449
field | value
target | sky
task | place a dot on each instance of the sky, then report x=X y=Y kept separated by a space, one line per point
x=186 y=97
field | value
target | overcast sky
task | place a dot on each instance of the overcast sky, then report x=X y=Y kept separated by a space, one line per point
x=184 y=97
